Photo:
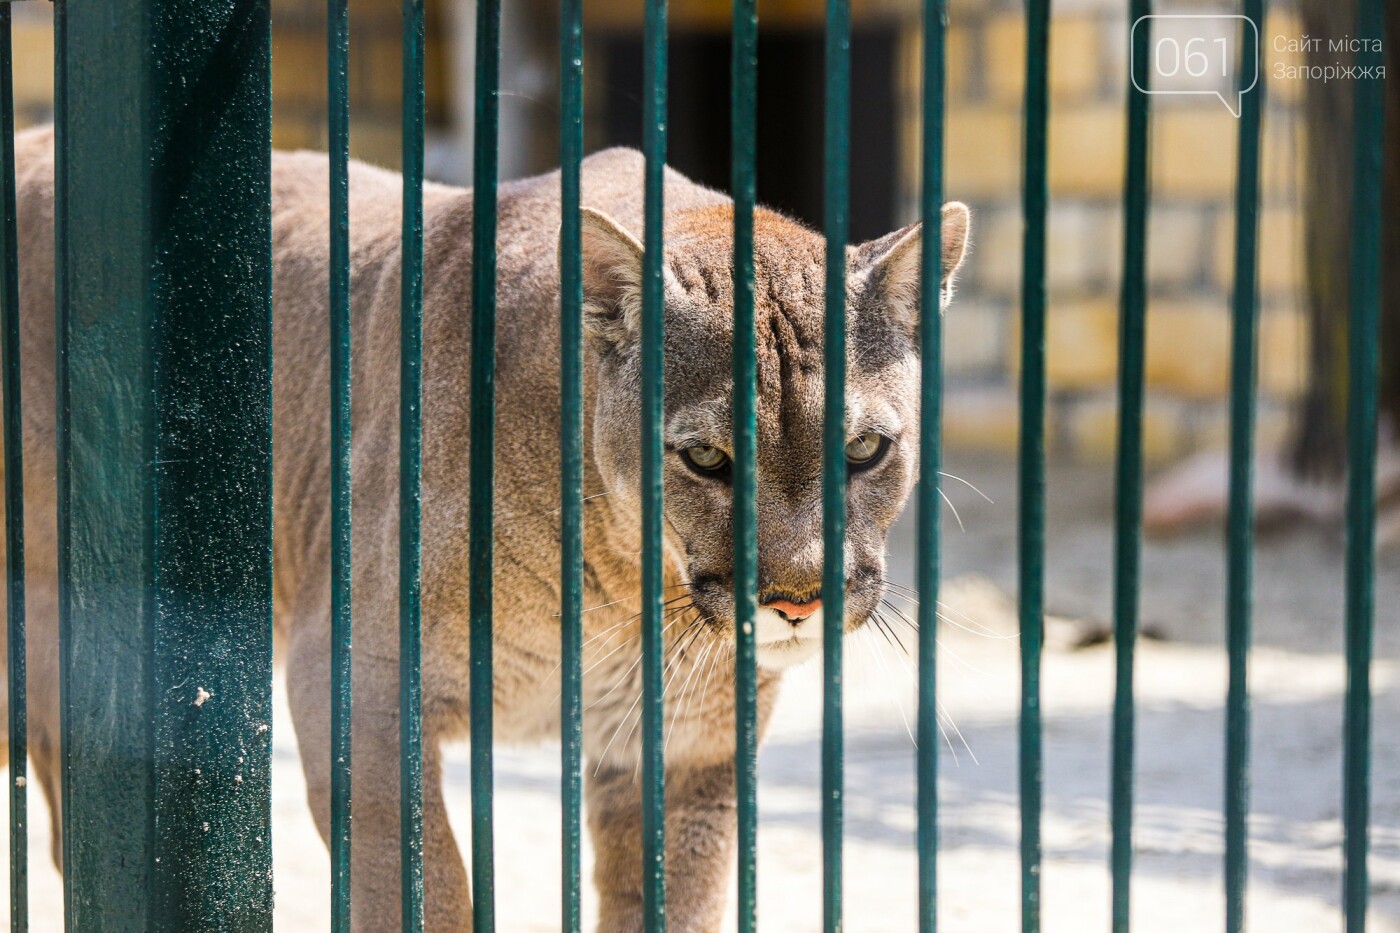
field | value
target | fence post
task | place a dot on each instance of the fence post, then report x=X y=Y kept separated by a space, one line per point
x=1031 y=476
x=1363 y=377
x=165 y=520
x=836 y=160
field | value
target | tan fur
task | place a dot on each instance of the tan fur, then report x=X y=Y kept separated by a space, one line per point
x=700 y=779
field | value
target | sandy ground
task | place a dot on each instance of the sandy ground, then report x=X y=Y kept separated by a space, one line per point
x=1297 y=675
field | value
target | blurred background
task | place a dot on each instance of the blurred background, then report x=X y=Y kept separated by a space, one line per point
x=1193 y=164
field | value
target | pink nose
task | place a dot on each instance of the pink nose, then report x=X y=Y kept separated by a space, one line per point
x=794 y=612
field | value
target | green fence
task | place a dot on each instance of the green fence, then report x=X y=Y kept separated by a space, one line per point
x=163 y=369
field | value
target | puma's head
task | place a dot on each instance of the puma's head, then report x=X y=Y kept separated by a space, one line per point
x=882 y=395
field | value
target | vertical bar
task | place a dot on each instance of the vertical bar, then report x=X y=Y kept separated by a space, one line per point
x=1031 y=539
x=166 y=518
x=410 y=478
x=338 y=104
x=120 y=752
x=930 y=451
x=62 y=416
x=654 y=74
x=1239 y=579
x=571 y=455
x=837 y=150
x=744 y=122
x=483 y=458
x=1369 y=131
x=1128 y=511
x=14 y=496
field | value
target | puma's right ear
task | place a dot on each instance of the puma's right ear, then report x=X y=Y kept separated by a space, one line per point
x=612 y=280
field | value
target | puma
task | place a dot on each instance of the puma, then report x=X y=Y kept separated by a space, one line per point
x=882 y=411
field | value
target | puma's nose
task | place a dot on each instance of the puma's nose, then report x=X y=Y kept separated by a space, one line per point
x=793 y=612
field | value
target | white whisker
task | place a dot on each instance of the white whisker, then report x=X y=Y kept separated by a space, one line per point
x=584 y=647
x=986 y=630
x=967 y=484
x=966 y=664
x=640 y=693
x=596 y=495
x=889 y=690
x=625 y=674
x=940 y=708
x=948 y=716
x=679 y=706
x=709 y=670
x=954 y=508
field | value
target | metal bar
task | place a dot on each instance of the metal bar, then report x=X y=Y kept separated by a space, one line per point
x=1240 y=520
x=571 y=456
x=744 y=133
x=338 y=105
x=121 y=753
x=837 y=156
x=483 y=459
x=654 y=74
x=14 y=497
x=1363 y=372
x=930 y=451
x=410 y=478
x=1127 y=575
x=62 y=417
x=1031 y=538
x=167 y=512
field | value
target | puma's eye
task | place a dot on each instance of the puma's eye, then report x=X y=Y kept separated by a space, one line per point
x=705 y=458
x=865 y=450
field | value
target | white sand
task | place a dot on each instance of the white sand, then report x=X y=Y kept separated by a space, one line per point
x=1294 y=830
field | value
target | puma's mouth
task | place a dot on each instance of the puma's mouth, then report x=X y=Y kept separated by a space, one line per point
x=788 y=652
x=782 y=644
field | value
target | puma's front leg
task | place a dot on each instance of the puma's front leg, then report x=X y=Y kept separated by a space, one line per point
x=700 y=832
x=376 y=865
x=375 y=844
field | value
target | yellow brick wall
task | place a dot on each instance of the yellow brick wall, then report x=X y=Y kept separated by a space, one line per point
x=298 y=73
x=33 y=62
x=1190 y=237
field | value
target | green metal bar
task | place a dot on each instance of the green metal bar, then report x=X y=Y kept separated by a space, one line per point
x=654 y=73
x=571 y=456
x=483 y=459
x=1240 y=521
x=743 y=177
x=1031 y=539
x=338 y=105
x=1127 y=575
x=121 y=754
x=1363 y=387
x=410 y=478
x=62 y=414
x=166 y=501
x=14 y=496
x=837 y=155
x=930 y=450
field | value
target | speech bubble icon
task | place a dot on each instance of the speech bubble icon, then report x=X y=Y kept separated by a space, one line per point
x=1212 y=54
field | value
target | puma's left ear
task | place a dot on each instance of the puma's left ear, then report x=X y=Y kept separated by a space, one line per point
x=612 y=280
x=890 y=265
